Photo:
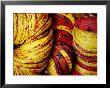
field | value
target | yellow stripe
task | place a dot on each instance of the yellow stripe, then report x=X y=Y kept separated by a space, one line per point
x=51 y=68
x=84 y=71
x=86 y=40
x=86 y=63
x=65 y=28
x=69 y=16
x=82 y=51
x=67 y=58
x=15 y=25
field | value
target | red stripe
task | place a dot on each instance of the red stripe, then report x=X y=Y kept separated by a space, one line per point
x=58 y=67
x=65 y=47
x=60 y=19
x=59 y=63
x=87 y=58
x=62 y=61
x=62 y=36
x=63 y=64
x=89 y=68
x=75 y=72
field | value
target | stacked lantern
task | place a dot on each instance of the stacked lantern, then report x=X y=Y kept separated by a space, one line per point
x=85 y=44
x=33 y=38
x=61 y=58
